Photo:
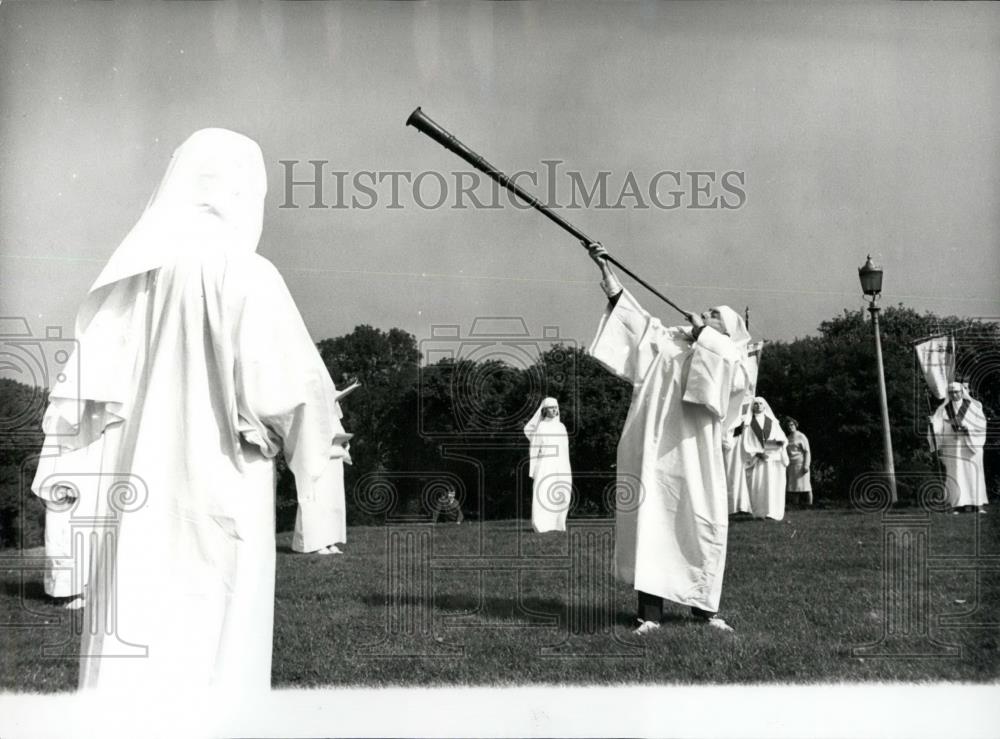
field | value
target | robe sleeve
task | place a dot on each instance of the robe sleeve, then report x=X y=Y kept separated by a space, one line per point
x=285 y=397
x=529 y=430
x=627 y=339
x=531 y=426
x=716 y=377
x=92 y=391
x=975 y=422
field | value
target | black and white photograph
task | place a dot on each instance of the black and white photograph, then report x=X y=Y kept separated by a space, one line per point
x=463 y=368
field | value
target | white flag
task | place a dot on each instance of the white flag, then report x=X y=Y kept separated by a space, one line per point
x=937 y=360
x=753 y=367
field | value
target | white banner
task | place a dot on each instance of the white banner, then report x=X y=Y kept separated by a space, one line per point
x=937 y=360
x=753 y=367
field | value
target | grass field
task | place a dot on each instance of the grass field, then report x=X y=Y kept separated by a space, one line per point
x=499 y=605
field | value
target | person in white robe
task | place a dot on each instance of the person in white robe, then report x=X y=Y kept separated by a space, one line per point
x=958 y=426
x=196 y=369
x=798 y=481
x=765 y=456
x=672 y=513
x=70 y=495
x=736 y=472
x=321 y=524
x=549 y=468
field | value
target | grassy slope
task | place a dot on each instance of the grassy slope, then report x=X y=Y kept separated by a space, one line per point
x=801 y=594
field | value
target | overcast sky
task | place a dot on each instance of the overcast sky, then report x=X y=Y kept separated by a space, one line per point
x=849 y=129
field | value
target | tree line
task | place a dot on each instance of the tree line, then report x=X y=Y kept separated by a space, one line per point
x=458 y=421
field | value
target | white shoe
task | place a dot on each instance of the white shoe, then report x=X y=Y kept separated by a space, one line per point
x=983 y=511
x=334 y=549
x=717 y=623
x=74 y=605
x=646 y=627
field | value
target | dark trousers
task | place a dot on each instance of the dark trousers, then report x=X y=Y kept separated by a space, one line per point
x=455 y=513
x=651 y=608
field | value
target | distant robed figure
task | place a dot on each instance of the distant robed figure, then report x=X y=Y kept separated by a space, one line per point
x=959 y=434
x=321 y=524
x=736 y=471
x=549 y=468
x=195 y=370
x=765 y=457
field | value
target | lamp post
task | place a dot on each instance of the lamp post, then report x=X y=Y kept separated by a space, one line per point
x=871 y=286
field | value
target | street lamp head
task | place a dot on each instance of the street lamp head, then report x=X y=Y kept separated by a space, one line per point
x=871 y=278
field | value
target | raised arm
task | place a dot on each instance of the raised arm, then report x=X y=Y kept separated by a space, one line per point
x=609 y=283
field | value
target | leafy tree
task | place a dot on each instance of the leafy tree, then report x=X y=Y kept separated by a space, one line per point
x=22 y=515
x=386 y=364
x=467 y=421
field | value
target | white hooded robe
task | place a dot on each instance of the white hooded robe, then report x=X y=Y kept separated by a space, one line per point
x=766 y=476
x=550 y=470
x=672 y=515
x=195 y=370
x=961 y=449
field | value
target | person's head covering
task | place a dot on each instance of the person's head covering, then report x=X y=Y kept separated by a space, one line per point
x=214 y=186
x=211 y=198
x=537 y=418
x=736 y=327
x=765 y=409
x=966 y=395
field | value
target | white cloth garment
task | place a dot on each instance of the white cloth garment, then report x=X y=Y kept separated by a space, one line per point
x=763 y=435
x=959 y=429
x=65 y=480
x=672 y=513
x=550 y=470
x=736 y=474
x=196 y=368
x=732 y=448
x=936 y=358
x=322 y=522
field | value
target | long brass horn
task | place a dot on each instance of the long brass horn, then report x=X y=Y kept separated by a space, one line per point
x=423 y=123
